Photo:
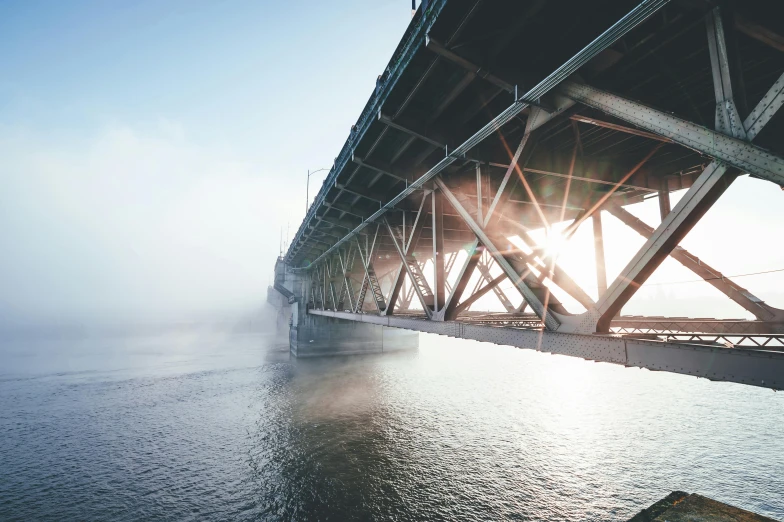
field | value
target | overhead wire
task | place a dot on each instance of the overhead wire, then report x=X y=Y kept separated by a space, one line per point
x=715 y=278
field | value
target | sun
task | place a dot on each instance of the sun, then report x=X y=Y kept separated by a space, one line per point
x=555 y=243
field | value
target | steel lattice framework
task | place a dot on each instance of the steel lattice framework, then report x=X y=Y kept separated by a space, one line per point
x=471 y=138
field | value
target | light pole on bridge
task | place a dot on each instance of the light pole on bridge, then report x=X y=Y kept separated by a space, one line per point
x=307 y=189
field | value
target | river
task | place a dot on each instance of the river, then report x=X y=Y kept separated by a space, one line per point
x=203 y=425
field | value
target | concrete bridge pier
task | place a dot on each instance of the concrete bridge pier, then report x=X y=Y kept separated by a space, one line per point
x=316 y=335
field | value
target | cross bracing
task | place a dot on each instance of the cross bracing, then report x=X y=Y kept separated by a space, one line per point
x=470 y=139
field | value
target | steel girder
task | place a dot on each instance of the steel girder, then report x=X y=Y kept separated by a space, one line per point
x=729 y=150
x=598 y=246
x=453 y=57
x=484 y=269
x=466 y=271
x=708 y=187
x=698 y=199
x=685 y=325
x=492 y=284
x=518 y=278
x=345 y=268
x=439 y=255
x=727 y=118
x=677 y=357
x=737 y=329
x=635 y=17
x=371 y=280
x=757 y=367
x=410 y=244
x=410 y=265
x=740 y=295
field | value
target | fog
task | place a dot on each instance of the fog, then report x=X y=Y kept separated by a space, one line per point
x=154 y=155
x=126 y=222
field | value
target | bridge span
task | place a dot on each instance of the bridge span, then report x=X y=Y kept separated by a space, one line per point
x=495 y=121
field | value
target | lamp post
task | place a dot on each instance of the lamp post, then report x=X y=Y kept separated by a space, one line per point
x=307 y=189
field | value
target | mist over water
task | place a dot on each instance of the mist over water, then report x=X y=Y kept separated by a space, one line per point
x=218 y=424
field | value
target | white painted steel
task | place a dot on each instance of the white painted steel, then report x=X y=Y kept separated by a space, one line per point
x=738 y=153
x=753 y=367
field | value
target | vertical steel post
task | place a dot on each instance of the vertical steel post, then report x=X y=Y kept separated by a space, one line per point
x=664 y=199
x=439 y=272
x=598 y=245
x=479 y=217
x=727 y=118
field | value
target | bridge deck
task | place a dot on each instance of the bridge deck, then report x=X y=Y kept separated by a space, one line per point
x=495 y=119
x=757 y=367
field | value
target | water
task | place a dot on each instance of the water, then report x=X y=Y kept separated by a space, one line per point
x=210 y=426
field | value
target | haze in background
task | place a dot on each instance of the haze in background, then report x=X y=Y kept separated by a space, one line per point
x=152 y=153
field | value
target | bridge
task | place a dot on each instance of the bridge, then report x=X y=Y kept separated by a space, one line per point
x=496 y=121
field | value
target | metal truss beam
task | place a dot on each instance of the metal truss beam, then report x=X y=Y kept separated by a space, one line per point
x=731 y=327
x=598 y=246
x=502 y=195
x=346 y=268
x=375 y=198
x=490 y=285
x=389 y=122
x=698 y=199
x=474 y=254
x=557 y=274
x=619 y=128
x=727 y=118
x=727 y=149
x=759 y=33
x=505 y=302
x=453 y=306
x=439 y=255
x=757 y=367
x=740 y=295
x=635 y=17
x=370 y=280
x=331 y=284
x=517 y=278
x=765 y=109
x=413 y=239
x=417 y=279
x=664 y=199
x=453 y=57
x=708 y=187
x=383 y=169
x=346 y=209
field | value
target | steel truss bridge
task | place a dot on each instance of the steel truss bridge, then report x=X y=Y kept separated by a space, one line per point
x=494 y=119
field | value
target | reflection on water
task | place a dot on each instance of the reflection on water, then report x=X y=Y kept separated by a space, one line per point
x=209 y=426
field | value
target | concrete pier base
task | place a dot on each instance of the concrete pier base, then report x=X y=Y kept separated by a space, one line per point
x=315 y=336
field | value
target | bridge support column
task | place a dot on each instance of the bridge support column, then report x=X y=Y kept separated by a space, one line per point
x=315 y=335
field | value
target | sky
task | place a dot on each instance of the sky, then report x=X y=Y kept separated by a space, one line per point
x=154 y=152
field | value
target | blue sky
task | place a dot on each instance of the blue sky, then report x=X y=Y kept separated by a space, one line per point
x=232 y=72
x=153 y=151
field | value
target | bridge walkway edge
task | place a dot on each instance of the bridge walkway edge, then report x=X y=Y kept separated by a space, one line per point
x=744 y=366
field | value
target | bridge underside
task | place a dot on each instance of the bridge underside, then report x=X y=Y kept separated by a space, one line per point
x=495 y=121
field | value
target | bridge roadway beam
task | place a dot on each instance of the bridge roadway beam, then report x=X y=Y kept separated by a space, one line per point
x=745 y=366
